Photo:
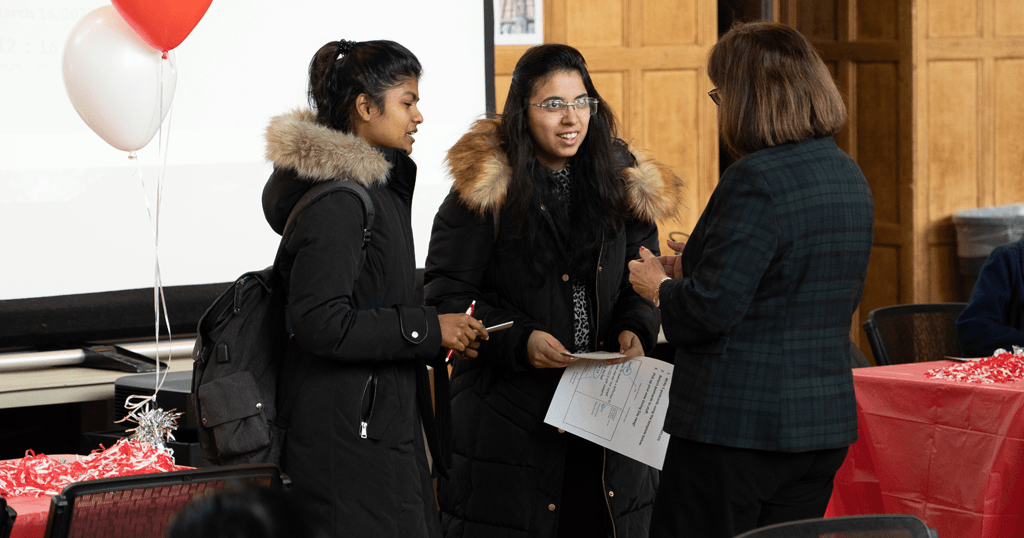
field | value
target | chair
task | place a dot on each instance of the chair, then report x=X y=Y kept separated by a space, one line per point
x=913 y=332
x=140 y=506
x=7 y=516
x=869 y=526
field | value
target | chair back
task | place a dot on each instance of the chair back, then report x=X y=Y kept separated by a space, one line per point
x=141 y=506
x=7 y=517
x=906 y=333
x=869 y=526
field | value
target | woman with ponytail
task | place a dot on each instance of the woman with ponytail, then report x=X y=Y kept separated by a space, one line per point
x=355 y=444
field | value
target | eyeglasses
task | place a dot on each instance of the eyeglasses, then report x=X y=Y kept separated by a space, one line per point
x=559 y=106
x=715 y=96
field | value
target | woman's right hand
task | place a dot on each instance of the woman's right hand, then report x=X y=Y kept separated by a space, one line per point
x=459 y=333
x=545 y=351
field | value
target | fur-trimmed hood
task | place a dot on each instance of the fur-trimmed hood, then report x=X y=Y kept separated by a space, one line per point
x=319 y=153
x=304 y=152
x=482 y=175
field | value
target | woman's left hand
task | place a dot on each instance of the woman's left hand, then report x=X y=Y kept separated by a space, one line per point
x=630 y=346
x=646 y=274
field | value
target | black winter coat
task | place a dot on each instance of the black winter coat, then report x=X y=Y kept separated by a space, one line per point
x=357 y=325
x=508 y=464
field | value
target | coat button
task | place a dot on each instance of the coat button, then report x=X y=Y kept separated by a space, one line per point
x=415 y=334
x=611 y=493
x=551 y=507
x=565 y=278
x=560 y=430
x=542 y=208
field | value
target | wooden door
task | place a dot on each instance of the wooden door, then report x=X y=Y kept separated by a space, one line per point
x=866 y=44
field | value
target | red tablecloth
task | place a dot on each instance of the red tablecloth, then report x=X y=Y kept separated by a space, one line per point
x=32 y=515
x=951 y=453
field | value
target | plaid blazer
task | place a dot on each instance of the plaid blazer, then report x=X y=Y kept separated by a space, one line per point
x=773 y=272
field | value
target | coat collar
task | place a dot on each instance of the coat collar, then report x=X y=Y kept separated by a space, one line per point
x=482 y=175
x=319 y=153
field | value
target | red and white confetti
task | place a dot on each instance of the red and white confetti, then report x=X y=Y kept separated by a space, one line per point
x=1001 y=367
x=38 y=475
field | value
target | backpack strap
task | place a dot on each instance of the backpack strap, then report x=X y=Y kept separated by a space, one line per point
x=326 y=187
x=294 y=368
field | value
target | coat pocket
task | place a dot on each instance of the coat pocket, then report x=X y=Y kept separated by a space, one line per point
x=232 y=408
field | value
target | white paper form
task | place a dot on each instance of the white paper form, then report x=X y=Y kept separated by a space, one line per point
x=620 y=407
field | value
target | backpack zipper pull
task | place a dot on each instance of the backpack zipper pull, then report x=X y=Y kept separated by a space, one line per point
x=362 y=429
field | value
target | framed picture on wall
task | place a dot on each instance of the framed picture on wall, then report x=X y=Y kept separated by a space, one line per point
x=518 y=22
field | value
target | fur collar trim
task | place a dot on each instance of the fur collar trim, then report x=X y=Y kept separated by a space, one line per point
x=319 y=153
x=482 y=174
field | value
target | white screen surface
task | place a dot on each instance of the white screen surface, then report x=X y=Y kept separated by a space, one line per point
x=75 y=213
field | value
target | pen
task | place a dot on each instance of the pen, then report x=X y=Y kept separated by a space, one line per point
x=469 y=312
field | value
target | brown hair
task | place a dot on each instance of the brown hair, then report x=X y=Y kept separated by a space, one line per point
x=774 y=88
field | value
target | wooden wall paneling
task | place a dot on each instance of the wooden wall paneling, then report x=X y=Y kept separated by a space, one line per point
x=877 y=20
x=986 y=134
x=952 y=18
x=672 y=132
x=613 y=87
x=596 y=23
x=815 y=19
x=878 y=135
x=919 y=222
x=944 y=282
x=1009 y=18
x=953 y=122
x=668 y=22
x=1009 y=117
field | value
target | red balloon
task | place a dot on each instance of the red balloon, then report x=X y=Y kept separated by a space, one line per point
x=164 y=24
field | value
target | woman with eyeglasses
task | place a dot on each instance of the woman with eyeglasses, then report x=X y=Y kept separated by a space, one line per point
x=547 y=208
x=759 y=305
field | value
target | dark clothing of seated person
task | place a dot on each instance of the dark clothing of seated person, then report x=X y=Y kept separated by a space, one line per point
x=992 y=318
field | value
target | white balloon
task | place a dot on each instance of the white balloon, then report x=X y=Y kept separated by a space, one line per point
x=114 y=79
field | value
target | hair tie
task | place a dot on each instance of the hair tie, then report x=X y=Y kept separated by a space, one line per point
x=344 y=47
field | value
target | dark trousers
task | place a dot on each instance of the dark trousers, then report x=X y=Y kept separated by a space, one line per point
x=712 y=491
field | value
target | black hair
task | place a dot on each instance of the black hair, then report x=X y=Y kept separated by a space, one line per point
x=341 y=70
x=598 y=202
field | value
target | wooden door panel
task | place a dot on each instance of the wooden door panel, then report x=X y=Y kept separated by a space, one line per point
x=669 y=22
x=1009 y=17
x=952 y=137
x=878 y=136
x=952 y=18
x=595 y=23
x=1009 y=119
x=672 y=133
x=877 y=20
x=612 y=87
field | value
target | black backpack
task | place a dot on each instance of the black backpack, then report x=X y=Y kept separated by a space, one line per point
x=239 y=356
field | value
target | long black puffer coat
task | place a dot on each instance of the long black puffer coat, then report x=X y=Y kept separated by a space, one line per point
x=357 y=325
x=508 y=464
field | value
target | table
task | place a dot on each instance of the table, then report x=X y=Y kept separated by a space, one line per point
x=951 y=453
x=33 y=511
x=64 y=384
x=32 y=515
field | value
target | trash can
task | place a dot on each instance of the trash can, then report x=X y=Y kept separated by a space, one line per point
x=979 y=231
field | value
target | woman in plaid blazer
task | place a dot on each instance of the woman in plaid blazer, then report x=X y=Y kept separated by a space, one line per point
x=759 y=303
